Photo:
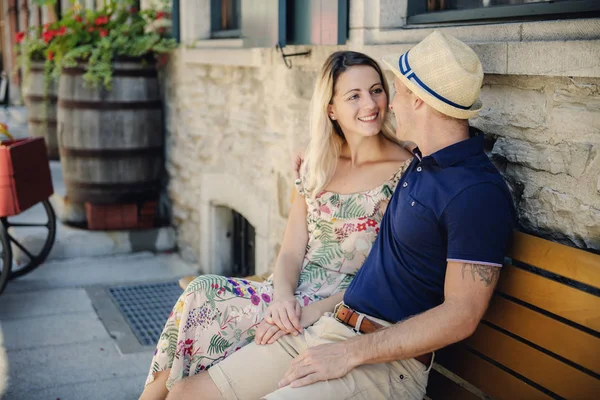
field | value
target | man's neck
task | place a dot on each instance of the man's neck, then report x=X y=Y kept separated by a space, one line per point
x=435 y=135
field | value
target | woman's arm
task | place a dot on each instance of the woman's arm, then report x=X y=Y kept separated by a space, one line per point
x=312 y=312
x=285 y=311
x=267 y=333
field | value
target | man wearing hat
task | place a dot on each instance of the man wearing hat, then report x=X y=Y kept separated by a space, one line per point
x=432 y=270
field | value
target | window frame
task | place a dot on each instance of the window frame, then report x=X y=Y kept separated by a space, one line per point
x=416 y=12
x=216 y=32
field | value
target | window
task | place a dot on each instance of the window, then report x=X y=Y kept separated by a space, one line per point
x=437 y=11
x=225 y=18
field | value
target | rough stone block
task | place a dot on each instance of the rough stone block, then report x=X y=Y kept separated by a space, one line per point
x=558 y=159
x=506 y=104
x=565 y=58
x=552 y=211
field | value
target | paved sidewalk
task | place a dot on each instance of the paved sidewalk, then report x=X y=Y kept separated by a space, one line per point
x=58 y=348
x=16 y=120
x=61 y=329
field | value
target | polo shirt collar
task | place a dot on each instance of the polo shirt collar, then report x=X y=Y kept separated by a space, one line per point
x=456 y=152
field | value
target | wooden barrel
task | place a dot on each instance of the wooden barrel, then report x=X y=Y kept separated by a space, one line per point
x=41 y=108
x=111 y=142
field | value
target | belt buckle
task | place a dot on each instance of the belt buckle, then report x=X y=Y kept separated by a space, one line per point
x=336 y=309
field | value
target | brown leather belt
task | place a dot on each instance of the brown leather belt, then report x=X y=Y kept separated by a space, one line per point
x=349 y=317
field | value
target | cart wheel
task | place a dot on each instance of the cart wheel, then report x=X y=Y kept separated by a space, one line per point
x=5 y=259
x=30 y=251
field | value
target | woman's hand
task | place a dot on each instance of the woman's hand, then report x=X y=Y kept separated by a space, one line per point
x=285 y=313
x=267 y=333
x=297 y=163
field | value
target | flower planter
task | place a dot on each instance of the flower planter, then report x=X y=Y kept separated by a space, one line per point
x=41 y=108
x=24 y=175
x=111 y=142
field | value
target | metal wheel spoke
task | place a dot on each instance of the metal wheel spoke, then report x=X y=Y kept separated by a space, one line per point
x=20 y=246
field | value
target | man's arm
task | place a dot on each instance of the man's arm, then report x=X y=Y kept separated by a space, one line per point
x=467 y=291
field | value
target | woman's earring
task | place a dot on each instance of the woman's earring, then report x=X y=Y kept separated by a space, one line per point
x=332 y=117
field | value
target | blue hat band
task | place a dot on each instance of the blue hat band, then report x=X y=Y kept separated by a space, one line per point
x=411 y=76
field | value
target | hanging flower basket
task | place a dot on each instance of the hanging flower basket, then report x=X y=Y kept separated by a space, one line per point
x=24 y=175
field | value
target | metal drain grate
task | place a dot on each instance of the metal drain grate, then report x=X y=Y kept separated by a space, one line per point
x=146 y=307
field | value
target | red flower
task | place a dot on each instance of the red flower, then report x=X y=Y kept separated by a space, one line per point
x=361 y=227
x=377 y=230
x=48 y=36
x=371 y=222
x=78 y=18
x=61 y=32
x=163 y=59
x=91 y=29
x=133 y=10
x=46 y=26
x=103 y=20
x=50 y=55
x=160 y=15
x=103 y=33
x=20 y=36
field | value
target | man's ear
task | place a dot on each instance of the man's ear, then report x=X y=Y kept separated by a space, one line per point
x=417 y=103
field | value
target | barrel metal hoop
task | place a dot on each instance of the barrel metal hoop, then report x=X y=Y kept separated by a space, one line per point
x=111 y=153
x=113 y=186
x=110 y=105
x=133 y=73
x=49 y=98
x=35 y=121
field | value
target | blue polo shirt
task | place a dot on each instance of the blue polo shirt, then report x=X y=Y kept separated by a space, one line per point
x=452 y=205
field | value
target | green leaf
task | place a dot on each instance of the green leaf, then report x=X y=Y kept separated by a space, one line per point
x=218 y=345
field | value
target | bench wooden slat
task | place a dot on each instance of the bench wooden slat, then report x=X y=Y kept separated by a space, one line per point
x=563 y=260
x=557 y=298
x=541 y=368
x=555 y=336
x=492 y=380
x=440 y=387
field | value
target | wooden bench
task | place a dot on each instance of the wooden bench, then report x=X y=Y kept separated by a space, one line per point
x=540 y=336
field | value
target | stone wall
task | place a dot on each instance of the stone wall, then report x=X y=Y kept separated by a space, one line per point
x=547 y=133
x=247 y=122
x=243 y=122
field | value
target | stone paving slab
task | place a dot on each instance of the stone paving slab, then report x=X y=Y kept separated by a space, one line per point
x=116 y=388
x=121 y=269
x=46 y=331
x=44 y=303
x=56 y=366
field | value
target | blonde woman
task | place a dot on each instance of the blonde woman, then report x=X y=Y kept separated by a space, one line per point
x=352 y=165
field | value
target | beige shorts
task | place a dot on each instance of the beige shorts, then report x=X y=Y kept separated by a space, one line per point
x=254 y=371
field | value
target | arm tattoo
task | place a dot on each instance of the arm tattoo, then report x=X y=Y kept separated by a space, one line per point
x=487 y=274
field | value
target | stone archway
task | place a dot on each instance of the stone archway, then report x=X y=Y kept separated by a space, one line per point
x=219 y=190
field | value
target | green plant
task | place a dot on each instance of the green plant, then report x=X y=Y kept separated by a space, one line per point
x=96 y=38
x=31 y=46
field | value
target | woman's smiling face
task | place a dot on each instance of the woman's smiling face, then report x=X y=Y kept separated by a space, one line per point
x=359 y=103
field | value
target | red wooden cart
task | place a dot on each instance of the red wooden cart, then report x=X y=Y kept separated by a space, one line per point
x=25 y=181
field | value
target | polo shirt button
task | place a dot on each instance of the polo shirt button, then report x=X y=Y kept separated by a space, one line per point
x=412 y=204
x=419 y=169
x=405 y=184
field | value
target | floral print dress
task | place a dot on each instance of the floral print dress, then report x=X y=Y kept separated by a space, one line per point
x=216 y=315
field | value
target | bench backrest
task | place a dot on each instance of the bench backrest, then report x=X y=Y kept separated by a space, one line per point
x=540 y=336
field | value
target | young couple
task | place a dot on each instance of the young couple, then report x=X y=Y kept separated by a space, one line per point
x=367 y=285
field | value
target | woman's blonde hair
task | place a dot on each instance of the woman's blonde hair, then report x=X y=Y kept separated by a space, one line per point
x=326 y=136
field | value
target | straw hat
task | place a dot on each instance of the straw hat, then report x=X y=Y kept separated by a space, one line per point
x=443 y=72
